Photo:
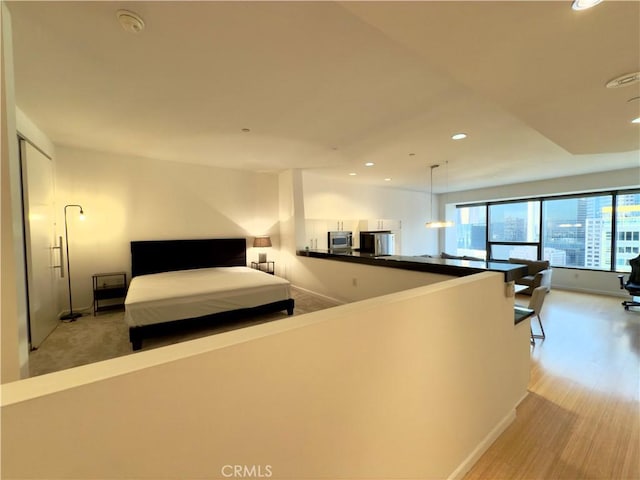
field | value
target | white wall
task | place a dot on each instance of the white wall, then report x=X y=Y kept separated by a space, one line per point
x=126 y=198
x=626 y=178
x=29 y=130
x=588 y=281
x=349 y=282
x=329 y=199
x=291 y=211
x=392 y=387
x=13 y=320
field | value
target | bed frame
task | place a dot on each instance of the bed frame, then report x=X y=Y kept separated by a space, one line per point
x=157 y=256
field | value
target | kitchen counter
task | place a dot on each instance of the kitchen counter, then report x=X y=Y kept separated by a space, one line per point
x=456 y=268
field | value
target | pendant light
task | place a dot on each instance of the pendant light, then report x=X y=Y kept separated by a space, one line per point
x=435 y=223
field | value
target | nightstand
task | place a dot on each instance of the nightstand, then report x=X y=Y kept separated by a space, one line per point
x=110 y=289
x=269 y=266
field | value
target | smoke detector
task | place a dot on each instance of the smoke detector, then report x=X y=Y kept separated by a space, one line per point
x=624 y=80
x=131 y=22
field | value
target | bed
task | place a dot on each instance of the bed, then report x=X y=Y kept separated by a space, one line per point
x=177 y=284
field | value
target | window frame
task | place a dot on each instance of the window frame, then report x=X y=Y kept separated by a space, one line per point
x=491 y=243
x=542 y=199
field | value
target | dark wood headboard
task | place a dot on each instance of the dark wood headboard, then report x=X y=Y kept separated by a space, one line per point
x=155 y=256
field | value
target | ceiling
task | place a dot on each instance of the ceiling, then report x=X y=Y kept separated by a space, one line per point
x=327 y=86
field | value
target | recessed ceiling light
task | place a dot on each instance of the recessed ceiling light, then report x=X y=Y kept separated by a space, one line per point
x=584 y=4
x=458 y=136
x=624 y=80
x=353 y=174
x=636 y=120
x=369 y=164
x=388 y=179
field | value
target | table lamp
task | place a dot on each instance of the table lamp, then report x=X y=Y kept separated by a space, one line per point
x=262 y=242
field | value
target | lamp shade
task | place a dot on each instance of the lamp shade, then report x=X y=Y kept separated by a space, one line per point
x=436 y=223
x=439 y=224
x=264 y=241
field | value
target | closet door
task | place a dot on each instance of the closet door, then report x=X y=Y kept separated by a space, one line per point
x=42 y=258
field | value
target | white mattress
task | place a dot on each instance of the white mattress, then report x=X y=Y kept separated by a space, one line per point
x=163 y=297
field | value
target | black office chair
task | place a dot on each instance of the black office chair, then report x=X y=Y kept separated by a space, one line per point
x=633 y=283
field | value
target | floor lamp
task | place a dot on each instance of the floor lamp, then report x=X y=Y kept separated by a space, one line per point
x=71 y=316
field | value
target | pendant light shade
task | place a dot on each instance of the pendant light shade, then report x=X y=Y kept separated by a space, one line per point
x=439 y=224
x=435 y=223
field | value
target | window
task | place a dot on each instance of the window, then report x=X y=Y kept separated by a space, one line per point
x=506 y=251
x=575 y=230
x=514 y=230
x=471 y=231
x=628 y=226
x=515 y=222
x=598 y=231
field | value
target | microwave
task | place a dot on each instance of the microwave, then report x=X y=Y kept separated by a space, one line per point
x=340 y=240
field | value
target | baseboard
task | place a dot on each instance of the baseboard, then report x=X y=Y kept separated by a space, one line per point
x=522 y=398
x=482 y=447
x=311 y=292
x=620 y=294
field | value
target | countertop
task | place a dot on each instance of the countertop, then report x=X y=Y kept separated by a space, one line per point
x=453 y=267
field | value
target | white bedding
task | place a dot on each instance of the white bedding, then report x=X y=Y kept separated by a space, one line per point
x=163 y=297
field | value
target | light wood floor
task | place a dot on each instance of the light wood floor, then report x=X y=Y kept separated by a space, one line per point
x=581 y=419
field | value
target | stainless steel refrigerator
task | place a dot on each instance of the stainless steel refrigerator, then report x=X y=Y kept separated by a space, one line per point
x=378 y=243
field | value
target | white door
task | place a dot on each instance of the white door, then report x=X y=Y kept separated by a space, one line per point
x=40 y=239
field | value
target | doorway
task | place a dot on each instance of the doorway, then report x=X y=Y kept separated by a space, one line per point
x=42 y=248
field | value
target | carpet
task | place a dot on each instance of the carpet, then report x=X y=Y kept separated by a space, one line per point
x=95 y=338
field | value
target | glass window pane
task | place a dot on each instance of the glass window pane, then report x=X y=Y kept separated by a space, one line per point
x=515 y=222
x=505 y=252
x=577 y=232
x=628 y=226
x=471 y=231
